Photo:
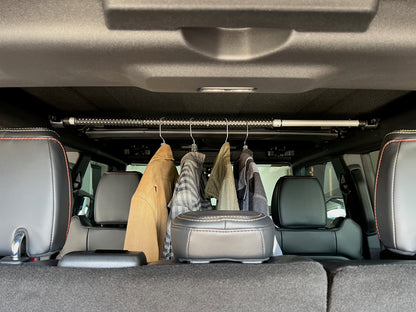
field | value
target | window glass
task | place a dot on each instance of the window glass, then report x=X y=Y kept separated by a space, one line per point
x=89 y=186
x=325 y=173
x=72 y=158
x=92 y=176
x=374 y=159
x=270 y=174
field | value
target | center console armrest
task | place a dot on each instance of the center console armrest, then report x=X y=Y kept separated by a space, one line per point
x=103 y=259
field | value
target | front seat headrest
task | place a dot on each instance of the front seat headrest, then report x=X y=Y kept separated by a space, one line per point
x=298 y=202
x=113 y=197
x=35 y=191
x=395 y=195
x=221 y=235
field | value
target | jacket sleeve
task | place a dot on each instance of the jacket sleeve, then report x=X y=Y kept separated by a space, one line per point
x=257 y=194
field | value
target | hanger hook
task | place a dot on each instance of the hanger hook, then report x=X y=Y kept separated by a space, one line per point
x=190 y=130
x=245 y=140
x=160 y=130
x=226 y=138
x=194 y=147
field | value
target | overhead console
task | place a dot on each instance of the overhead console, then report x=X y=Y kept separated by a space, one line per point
x=264 y=47
x=299 y=15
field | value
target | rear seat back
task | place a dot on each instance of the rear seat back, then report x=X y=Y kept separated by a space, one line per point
x=35 y=192
x=111 y=211
x=283 y=285
x=386 y=285
x=299 y=211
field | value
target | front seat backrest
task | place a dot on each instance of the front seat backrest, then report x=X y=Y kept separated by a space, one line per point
x=299 y=211
x=395 y=196
x=111 y=211
x=386 y=285
x=35 y=191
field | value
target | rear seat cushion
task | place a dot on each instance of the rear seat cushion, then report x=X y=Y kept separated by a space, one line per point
x=35 y=190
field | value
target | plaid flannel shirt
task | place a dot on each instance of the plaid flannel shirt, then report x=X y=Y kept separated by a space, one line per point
x=188 y=194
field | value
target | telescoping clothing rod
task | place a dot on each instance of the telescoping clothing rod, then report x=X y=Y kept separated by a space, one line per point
x=207 y=123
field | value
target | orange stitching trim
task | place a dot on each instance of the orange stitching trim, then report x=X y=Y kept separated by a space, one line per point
x=67 y=170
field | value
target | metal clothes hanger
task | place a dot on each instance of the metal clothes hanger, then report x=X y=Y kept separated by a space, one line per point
x=245 y=140
x=226 y=138
x=194 y=147
x=160 y=132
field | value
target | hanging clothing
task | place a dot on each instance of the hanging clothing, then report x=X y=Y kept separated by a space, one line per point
x=221 y=183
x=146 y=227
x=250 y=191
x=188 y=194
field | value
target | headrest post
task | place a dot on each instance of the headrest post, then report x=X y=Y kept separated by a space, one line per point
x=17 y=244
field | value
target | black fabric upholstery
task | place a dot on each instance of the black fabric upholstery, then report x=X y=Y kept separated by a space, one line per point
x=203 y=236
x=281 y=286
x=35 y=190
x=114 y=193
x=374 y=286
x=297 y=203
x=112 y=205
x=298 y=207
x=395 y=196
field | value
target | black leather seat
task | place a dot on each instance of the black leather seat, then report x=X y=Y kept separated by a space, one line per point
x=35 y=193
x=111 y=211
x=386 y=285
x=299 y=212
x=395 y=196
x=208 y=236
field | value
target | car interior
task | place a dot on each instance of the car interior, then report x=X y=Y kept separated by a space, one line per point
x=207 y=156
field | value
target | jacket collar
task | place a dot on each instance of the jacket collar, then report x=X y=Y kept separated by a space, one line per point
x=164 y=152
x=245 y=156
x=196 y=157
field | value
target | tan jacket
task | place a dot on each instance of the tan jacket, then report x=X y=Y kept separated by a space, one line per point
x=148 y=216
x=221 y=184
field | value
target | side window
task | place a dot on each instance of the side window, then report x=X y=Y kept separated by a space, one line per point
x=325 y=173
x=89 y=185
x=374 y=159
x=72 y=156
x=270 y=174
